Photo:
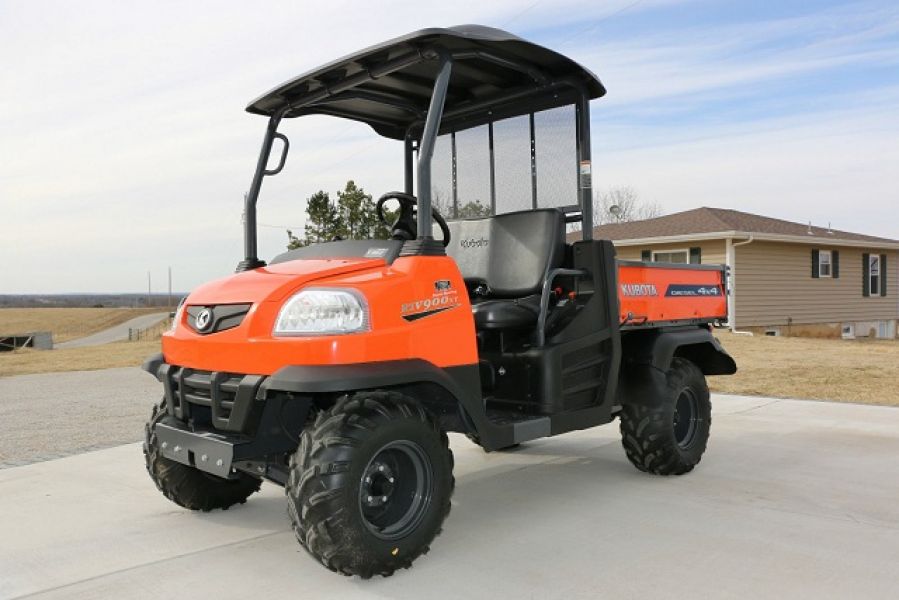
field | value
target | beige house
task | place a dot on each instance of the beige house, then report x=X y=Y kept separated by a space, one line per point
x=785 y=278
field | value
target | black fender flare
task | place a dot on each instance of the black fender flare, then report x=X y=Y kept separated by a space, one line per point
x=648 y=356
x=321 y=379
x=659 y=347
x=452 y=394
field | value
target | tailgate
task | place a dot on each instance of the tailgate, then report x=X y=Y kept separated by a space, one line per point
x=653 y=294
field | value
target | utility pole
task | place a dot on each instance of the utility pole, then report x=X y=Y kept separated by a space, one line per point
x=149 y=288
x=170 y=289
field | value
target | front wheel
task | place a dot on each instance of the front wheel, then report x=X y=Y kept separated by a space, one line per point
x=668 y=435
x=370 y=485
x=189 y=487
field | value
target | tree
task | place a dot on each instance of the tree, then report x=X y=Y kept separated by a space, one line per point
x=473 y=210
x=470 y=210
x=357 y=217
x=294 y=242
x=622 y=204
x=322 y=224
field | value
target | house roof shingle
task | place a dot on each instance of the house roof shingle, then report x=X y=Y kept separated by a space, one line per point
x=712 y=220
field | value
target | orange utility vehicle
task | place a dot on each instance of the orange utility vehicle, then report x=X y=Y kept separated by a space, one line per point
x=337 y=369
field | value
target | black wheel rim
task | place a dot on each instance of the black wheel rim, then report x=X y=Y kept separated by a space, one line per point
x=395 y=490
x=686 y=416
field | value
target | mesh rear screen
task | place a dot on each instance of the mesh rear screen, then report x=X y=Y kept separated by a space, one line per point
x=442 y=175
x=554 y=161
x=512 y=160
x=473 y=172
x=556 y=144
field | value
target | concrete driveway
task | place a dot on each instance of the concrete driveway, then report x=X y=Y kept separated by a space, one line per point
x=793 y=499
x=115 y=334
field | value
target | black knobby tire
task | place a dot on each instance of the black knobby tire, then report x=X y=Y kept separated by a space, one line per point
x=187 y=486
x=335 y=514
x=668 y=435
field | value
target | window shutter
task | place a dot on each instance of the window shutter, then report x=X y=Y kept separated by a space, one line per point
x=695 y=256
x=815 y=264
x=883 y=274
x=646 y=256
x=866 y=274
x=835 y=264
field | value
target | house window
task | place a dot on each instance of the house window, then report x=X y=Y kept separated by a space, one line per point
x=680 y=257
x=825 y=263
x=874 y=278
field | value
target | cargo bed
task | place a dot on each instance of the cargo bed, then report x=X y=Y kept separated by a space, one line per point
x=659 y=294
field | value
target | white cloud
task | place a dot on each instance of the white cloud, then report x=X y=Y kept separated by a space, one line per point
x=124 y=145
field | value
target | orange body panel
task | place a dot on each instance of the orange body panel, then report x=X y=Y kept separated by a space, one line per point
x=652 y=293
x=394 y=293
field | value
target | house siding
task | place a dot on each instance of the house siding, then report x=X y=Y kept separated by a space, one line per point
x=774 y=286
x=713 y=251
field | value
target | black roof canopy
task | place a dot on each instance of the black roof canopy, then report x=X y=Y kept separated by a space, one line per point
x=495 y=75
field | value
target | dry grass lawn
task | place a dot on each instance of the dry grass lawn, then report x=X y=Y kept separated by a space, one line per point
x=817 y=369
x=91 y=358
x=67 y=323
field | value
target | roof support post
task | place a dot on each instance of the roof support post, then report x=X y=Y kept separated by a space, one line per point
x=408 y=162
x=250 y=250
x=585 y=184
x=426 y=146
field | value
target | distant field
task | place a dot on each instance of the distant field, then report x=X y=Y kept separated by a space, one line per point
x=815 y=369
x=91 y=358
x=66 y=323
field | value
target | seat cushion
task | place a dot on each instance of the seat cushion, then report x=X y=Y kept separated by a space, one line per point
x=520 y=313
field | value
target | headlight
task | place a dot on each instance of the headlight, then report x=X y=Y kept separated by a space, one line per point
x=318 y=311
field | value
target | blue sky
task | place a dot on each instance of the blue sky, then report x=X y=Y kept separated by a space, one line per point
x=124 y=146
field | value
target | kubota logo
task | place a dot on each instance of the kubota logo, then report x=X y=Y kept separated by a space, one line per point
x=473 y=243
x=639 y=289
x=204 y=319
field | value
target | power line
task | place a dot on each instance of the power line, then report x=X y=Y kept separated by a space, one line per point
x=596 y=23
x=528 y=9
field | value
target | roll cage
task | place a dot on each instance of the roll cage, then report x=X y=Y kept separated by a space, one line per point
x=418 y=86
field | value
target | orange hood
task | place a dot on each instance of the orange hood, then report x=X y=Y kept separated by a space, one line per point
x=274 y=282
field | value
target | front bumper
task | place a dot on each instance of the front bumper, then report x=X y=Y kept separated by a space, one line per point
x=204 y=450
x=223 y=423
x=229 y=396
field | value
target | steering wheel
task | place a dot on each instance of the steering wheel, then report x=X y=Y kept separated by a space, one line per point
x=405 y=227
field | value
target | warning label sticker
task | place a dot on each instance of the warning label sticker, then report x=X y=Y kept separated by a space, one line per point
x=585 y=172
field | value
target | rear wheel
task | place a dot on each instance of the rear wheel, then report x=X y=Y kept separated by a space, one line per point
x=668 y=435
x=370 y=485
x=187 y=486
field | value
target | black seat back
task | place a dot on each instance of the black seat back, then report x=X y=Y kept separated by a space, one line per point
x=510 y=253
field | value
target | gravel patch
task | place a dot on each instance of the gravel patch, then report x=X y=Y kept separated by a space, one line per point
x=57 y=414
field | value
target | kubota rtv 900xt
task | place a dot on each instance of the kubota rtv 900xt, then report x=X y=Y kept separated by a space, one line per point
x=336 y=369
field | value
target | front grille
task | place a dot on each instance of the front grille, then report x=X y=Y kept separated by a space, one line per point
x=228 y=396
x=219 y=317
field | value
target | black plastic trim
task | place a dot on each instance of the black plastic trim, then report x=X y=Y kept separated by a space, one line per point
x=423 y=247
x=387 y=250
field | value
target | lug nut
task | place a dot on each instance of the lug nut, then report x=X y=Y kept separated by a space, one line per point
x=219 y=462
x=165 y=445
x=204 y=458
x=390 y=479
x=383 y=498
x=370 y=498
x=177 y=448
